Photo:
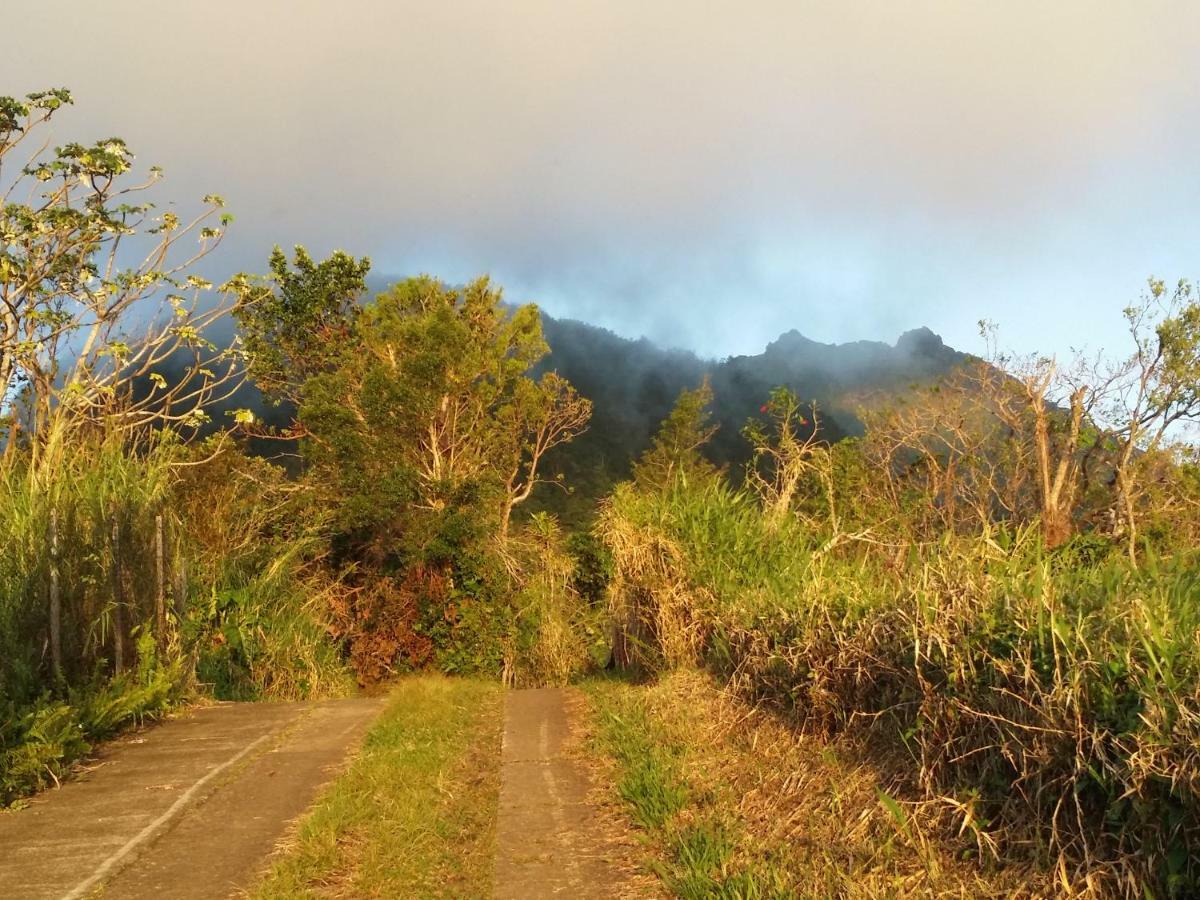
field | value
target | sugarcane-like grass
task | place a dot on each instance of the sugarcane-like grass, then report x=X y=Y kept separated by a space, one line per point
x=1047 y=702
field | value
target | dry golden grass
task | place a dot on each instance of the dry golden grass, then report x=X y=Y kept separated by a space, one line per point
x=811 y=818
x=1040 y=706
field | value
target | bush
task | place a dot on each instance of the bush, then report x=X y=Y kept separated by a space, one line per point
x=39 y=742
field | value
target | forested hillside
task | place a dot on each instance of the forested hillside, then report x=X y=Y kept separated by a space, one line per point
x=634 y=384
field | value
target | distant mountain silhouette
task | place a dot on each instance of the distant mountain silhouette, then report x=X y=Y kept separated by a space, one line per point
x=633 y=385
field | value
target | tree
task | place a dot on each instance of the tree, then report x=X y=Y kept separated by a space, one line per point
x=86 y=329
x=1056 y=432
x=541 y=416
x=299 y=321
x=784 y=456
x=676 y=448
x=943 y=446
x=1153 y=391
x=434 y=408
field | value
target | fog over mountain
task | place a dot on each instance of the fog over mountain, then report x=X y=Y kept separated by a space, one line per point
x=708 y=176
x=634 y=384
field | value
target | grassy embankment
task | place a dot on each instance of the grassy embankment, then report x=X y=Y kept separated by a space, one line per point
x=414 y=814
x=1033 y=710
x=736 y=805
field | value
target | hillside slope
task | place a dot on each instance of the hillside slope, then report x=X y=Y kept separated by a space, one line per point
x=633 y=385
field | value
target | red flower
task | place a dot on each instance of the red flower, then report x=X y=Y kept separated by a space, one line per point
x=762 y=408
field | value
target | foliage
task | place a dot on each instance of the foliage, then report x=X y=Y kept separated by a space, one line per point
x=249 y=623
x=257 y=615
x=554 y=625
x=296 y=325
x=69 y=302
x=39 y=741
x=112 y=528
x=676 y=448
x=949 y=590
x=422 y=441
x=786 y=453
x=411 y=417
x=1049 y=701
x=96 y=485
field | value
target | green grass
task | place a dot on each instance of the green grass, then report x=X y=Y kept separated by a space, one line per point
x=414 y=815
x=692 y=841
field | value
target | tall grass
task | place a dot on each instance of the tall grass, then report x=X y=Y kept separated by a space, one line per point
x=87 y=490
x=1049 y=702
x=241 y=620
x=48 y=717
x=552 y=622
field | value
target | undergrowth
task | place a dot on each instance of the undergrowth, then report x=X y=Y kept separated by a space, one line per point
x=736 y=805
x=40 y=741
x=1047 y=701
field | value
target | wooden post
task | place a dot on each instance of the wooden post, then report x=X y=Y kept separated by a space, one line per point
x=55 y=601
x=160 y=599
x=181 y=586
x=118 y=592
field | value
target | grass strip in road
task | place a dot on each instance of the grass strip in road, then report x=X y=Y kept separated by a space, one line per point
x=735 y=805
x=414 y=814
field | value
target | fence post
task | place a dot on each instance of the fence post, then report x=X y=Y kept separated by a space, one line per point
x=55 y=601
x=118 y=591
x=181 y=585
x=160 y=599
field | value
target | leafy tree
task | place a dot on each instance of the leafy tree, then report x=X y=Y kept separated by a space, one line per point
x=84 y=335
x=434 y=408
x=300 y=320
x=676 y=448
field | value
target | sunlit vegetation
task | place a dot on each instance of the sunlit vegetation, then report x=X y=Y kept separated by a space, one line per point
x=977 y=593
x=984 y=605
x=736 y=804
x=147 y=558
x=416 y=810
x=115 y=578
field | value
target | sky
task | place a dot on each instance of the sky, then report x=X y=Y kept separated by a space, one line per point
x=708 y=175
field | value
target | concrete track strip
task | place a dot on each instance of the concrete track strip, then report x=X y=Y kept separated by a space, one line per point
x=82 y=889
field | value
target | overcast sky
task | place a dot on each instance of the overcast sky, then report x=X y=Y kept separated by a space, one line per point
x=706 y=174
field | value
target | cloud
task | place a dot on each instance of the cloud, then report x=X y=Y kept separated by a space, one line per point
x=707 y=173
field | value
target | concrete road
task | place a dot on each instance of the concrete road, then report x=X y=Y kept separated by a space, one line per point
x=188 y=809
x=550 y=842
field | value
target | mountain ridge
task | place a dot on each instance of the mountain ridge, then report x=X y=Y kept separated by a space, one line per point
x=633 y=383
